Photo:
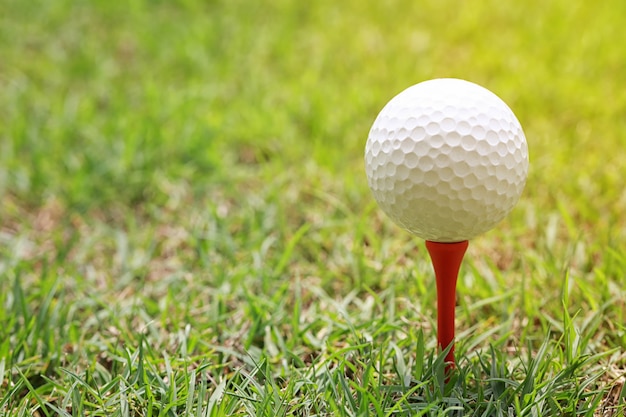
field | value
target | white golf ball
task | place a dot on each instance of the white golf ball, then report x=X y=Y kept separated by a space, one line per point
x=446 y=159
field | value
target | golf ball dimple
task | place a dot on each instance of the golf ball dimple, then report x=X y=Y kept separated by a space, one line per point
x=446 y=159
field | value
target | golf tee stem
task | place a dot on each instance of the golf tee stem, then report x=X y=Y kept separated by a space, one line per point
x=446 y=259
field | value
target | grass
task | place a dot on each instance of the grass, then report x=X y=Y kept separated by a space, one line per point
x=185 y=226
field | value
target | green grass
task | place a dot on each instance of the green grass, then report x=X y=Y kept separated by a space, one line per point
x=186 y=229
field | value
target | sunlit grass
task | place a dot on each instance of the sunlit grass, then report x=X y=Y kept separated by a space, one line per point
x=185 y=225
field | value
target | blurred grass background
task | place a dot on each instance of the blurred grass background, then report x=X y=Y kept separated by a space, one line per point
x=109 y=96
x=167 y=157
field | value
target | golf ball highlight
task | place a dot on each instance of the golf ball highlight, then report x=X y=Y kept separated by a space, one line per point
x=446 y=159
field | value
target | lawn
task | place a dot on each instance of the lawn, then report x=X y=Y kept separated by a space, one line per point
x=186 y=227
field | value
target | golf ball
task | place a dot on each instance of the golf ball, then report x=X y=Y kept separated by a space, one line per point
x=446 y=159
